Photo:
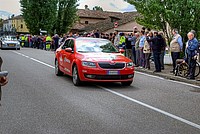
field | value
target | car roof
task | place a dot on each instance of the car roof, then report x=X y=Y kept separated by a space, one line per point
x=90 y=38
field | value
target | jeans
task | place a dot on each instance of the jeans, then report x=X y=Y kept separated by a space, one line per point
x=162 y=55
x=134 y=55
x=175 y=56
x=147 y=60
x=137 y=57
x=192 y=67
x=156 y=56
x=142 y=62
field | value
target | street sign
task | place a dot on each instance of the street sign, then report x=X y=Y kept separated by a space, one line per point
x=116 y=25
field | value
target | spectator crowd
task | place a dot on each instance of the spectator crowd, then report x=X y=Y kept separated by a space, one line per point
x=141 y=46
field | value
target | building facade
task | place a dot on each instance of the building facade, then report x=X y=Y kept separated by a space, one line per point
x=7 y=26
x=19 y=25
x=104 y=21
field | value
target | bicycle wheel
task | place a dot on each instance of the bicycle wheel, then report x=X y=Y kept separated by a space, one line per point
x=197 y=70
x=183 y=70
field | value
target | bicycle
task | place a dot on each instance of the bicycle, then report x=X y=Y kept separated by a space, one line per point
x=182 y=68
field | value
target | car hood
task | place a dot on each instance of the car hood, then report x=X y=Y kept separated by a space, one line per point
x=104 y=57
x=14 y=42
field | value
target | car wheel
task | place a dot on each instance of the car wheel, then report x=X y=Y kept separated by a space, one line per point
x=127 y=83
x=75 y=76
x=18 y=48
x=57 y=69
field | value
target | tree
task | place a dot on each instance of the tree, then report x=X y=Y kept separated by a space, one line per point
x=161 y=14
x=98 y=8
x=66 y=15
x=39 y=14
x=1 y=23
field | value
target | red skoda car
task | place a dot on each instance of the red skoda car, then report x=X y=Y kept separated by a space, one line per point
x=93 y=60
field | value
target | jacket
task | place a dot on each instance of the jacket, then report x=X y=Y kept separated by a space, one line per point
x=192 y=48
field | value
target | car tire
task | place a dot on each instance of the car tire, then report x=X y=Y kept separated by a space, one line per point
x=126 y=83
x=75 y=76
x=58 y=72
x=18 y=48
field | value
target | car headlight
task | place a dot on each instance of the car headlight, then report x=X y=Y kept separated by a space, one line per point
x=129 y=65
x=3 y=43
x=88 y=64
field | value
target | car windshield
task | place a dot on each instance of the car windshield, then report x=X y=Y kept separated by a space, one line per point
x=95 y=45
x=12 y=38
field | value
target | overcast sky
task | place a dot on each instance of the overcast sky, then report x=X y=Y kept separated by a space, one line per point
x=13 y=6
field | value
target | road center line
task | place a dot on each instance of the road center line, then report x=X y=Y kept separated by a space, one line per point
x=126 y=97
x=152 y=108
x=33 y=59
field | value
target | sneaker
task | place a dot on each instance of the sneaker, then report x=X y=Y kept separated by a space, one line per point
x=156 y=71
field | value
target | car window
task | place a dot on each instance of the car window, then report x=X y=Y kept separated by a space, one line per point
x=94 y=45
x=66 y=44
x=71 y=44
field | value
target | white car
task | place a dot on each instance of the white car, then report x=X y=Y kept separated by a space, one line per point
x=9 y=42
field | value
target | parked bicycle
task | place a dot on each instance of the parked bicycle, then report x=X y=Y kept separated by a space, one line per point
x=182 y=68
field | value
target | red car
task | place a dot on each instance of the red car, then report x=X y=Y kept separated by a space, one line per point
x=93 y=60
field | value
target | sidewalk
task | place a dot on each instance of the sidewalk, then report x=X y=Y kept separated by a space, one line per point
x=166 y=72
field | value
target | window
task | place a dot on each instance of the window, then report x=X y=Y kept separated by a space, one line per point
x=21 y=26
x=86 y=22
x=66 y=44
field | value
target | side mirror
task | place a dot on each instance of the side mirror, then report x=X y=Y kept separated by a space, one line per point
x=68 y=50
x=121 y=51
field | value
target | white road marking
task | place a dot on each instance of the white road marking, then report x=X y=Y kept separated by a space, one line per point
x=149 y=75
x=131 y=99
x=33 y=59
x=152 y=108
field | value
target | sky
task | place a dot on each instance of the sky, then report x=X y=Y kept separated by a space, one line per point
x=13 y=6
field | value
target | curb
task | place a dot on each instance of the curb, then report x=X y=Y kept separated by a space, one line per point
x=169 y=77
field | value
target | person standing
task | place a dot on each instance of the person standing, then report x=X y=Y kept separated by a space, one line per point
x=128 y=47
x=141 y=47
x=117 y=39
x=162 y=55
x=147 y=53
x=137 y=49
x=56 y=41
x=157 y=44
x=133 y=41
x=176 y=46
x=191 y=54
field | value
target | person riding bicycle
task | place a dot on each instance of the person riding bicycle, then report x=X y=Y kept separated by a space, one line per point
x=191 y=54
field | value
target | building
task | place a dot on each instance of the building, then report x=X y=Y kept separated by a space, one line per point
x=105 y=21
x=7 y=26
x=19 y=25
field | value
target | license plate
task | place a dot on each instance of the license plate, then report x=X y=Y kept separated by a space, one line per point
x=11 y=45
x=113 y=72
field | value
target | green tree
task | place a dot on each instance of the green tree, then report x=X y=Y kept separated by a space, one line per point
x=98 y=8
x=66 y=15
x=39 y=14
x=1 y=23
x=161 y=14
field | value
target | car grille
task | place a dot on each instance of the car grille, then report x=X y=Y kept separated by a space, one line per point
x=111 y=77
x=112 y=66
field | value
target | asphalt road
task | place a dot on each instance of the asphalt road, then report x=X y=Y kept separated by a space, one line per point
x=36 y=101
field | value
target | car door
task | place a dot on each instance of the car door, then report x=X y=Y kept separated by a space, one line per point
x=62 y=55
x=69 y=57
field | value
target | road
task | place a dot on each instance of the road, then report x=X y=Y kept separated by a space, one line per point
x=36 y=101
